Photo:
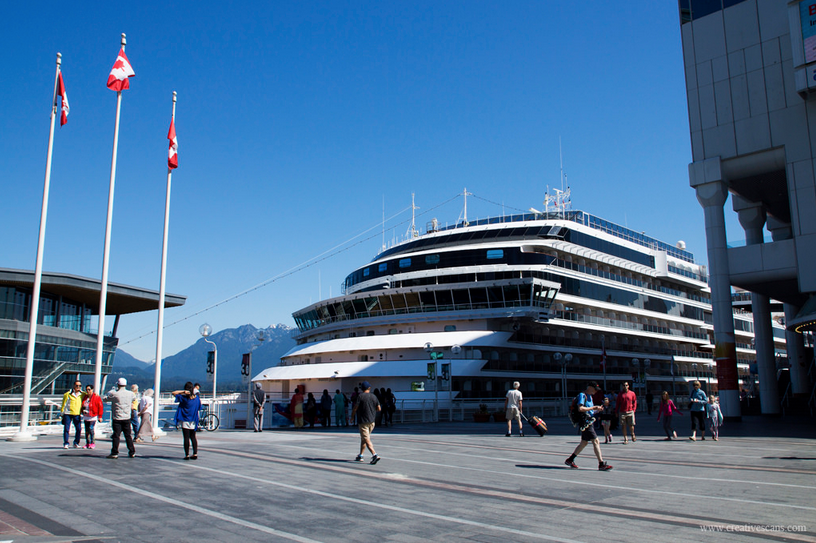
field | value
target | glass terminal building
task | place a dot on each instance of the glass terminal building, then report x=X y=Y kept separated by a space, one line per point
x=66 y=331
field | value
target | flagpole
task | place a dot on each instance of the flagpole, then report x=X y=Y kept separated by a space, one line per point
x=23 y=434
x=103 y=296
x=159 y=333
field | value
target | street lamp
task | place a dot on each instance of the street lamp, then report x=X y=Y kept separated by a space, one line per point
x=646 y=363
x=694 y=369
x=455 y=350
x=563 y=360
x=261 y=339
x=205 y=330
x=429 y=349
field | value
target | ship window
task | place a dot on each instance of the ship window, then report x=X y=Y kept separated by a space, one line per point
x=370 y=332
x=405 y=263
x=450 y=328
x=495 y=254
x=383 y=267
x=366 y=272
x=432 y=259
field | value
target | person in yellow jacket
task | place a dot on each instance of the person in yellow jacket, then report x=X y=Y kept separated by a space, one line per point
x=72 y=414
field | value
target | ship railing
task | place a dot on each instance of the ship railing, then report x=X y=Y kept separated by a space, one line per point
x=614 y=323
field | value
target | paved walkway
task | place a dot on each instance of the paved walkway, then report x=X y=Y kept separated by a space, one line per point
x=461 y=482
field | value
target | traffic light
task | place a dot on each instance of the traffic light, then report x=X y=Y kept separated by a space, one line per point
x=431 y=370
x=246 y=362
x=445 y=371
x=210 y=361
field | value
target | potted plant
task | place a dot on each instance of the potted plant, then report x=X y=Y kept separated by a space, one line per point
x=482 y=415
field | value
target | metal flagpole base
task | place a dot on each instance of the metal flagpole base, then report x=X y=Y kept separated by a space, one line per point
x=22 y=437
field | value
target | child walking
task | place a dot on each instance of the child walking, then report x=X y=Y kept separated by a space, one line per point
x=715 y=417
x=607 y=415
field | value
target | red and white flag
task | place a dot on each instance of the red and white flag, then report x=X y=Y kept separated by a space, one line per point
x=121 y=71
x=172 y=153
x=64 y=95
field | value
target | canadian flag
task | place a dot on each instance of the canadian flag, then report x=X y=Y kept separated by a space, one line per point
x=172 y=153
x=121 y=71
x=64 y=95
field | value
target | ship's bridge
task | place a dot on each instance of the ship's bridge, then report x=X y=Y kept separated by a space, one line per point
x=528 y=294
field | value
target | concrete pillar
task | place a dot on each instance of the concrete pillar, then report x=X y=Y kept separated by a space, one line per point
x=706 y=178
x=795 y=343
x=752 y=219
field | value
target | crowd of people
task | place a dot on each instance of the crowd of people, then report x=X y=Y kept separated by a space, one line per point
x=131 y=415
x=310 y=411
x=622 y=406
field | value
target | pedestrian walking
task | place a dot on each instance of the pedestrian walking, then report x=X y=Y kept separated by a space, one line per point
x=92 y=410
x=146 y=417
x=134 y=410
x=606 y=416
x=366 y=410
x=626 y=407
x=512 y=409
x=698 y=401
x=258 y=401
x=121 y=401
x=667 y=411
x=188 y=417
x=715 y=417
x=584 y=405
x=71 y=411
x=339 y=408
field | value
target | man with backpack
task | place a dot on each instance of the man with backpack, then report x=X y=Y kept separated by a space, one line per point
x=583 y=405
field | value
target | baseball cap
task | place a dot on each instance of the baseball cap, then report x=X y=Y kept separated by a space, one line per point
x=365 y=385
x=122 y=382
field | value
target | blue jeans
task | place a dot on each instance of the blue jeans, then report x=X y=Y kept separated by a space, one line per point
x=89 y=432
x=67 y=420
x=135 y=422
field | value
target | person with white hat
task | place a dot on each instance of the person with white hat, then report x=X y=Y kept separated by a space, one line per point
x=121 y=400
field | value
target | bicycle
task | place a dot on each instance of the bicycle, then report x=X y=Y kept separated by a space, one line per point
x=208 y=421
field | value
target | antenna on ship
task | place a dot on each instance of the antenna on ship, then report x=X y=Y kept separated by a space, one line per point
x=412 y=231
x=465 y=194
x=383 y=224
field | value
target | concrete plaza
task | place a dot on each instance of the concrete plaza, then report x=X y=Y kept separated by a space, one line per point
x=437 y=482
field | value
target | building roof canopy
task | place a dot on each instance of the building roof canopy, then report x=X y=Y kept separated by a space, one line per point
x=121 y=299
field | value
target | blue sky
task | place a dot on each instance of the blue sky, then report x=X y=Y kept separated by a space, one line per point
x=297 y=120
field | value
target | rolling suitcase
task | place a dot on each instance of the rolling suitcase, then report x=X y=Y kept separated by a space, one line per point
x=538 y=425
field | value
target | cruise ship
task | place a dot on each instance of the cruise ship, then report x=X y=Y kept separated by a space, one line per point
x=550 y=299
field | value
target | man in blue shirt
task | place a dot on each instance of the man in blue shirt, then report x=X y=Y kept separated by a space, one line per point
x=588 y=435
x=698 y=401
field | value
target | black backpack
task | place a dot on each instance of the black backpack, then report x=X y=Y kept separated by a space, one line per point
x=574 y=415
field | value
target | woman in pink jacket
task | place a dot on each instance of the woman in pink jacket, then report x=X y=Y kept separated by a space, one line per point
x=667 y=410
